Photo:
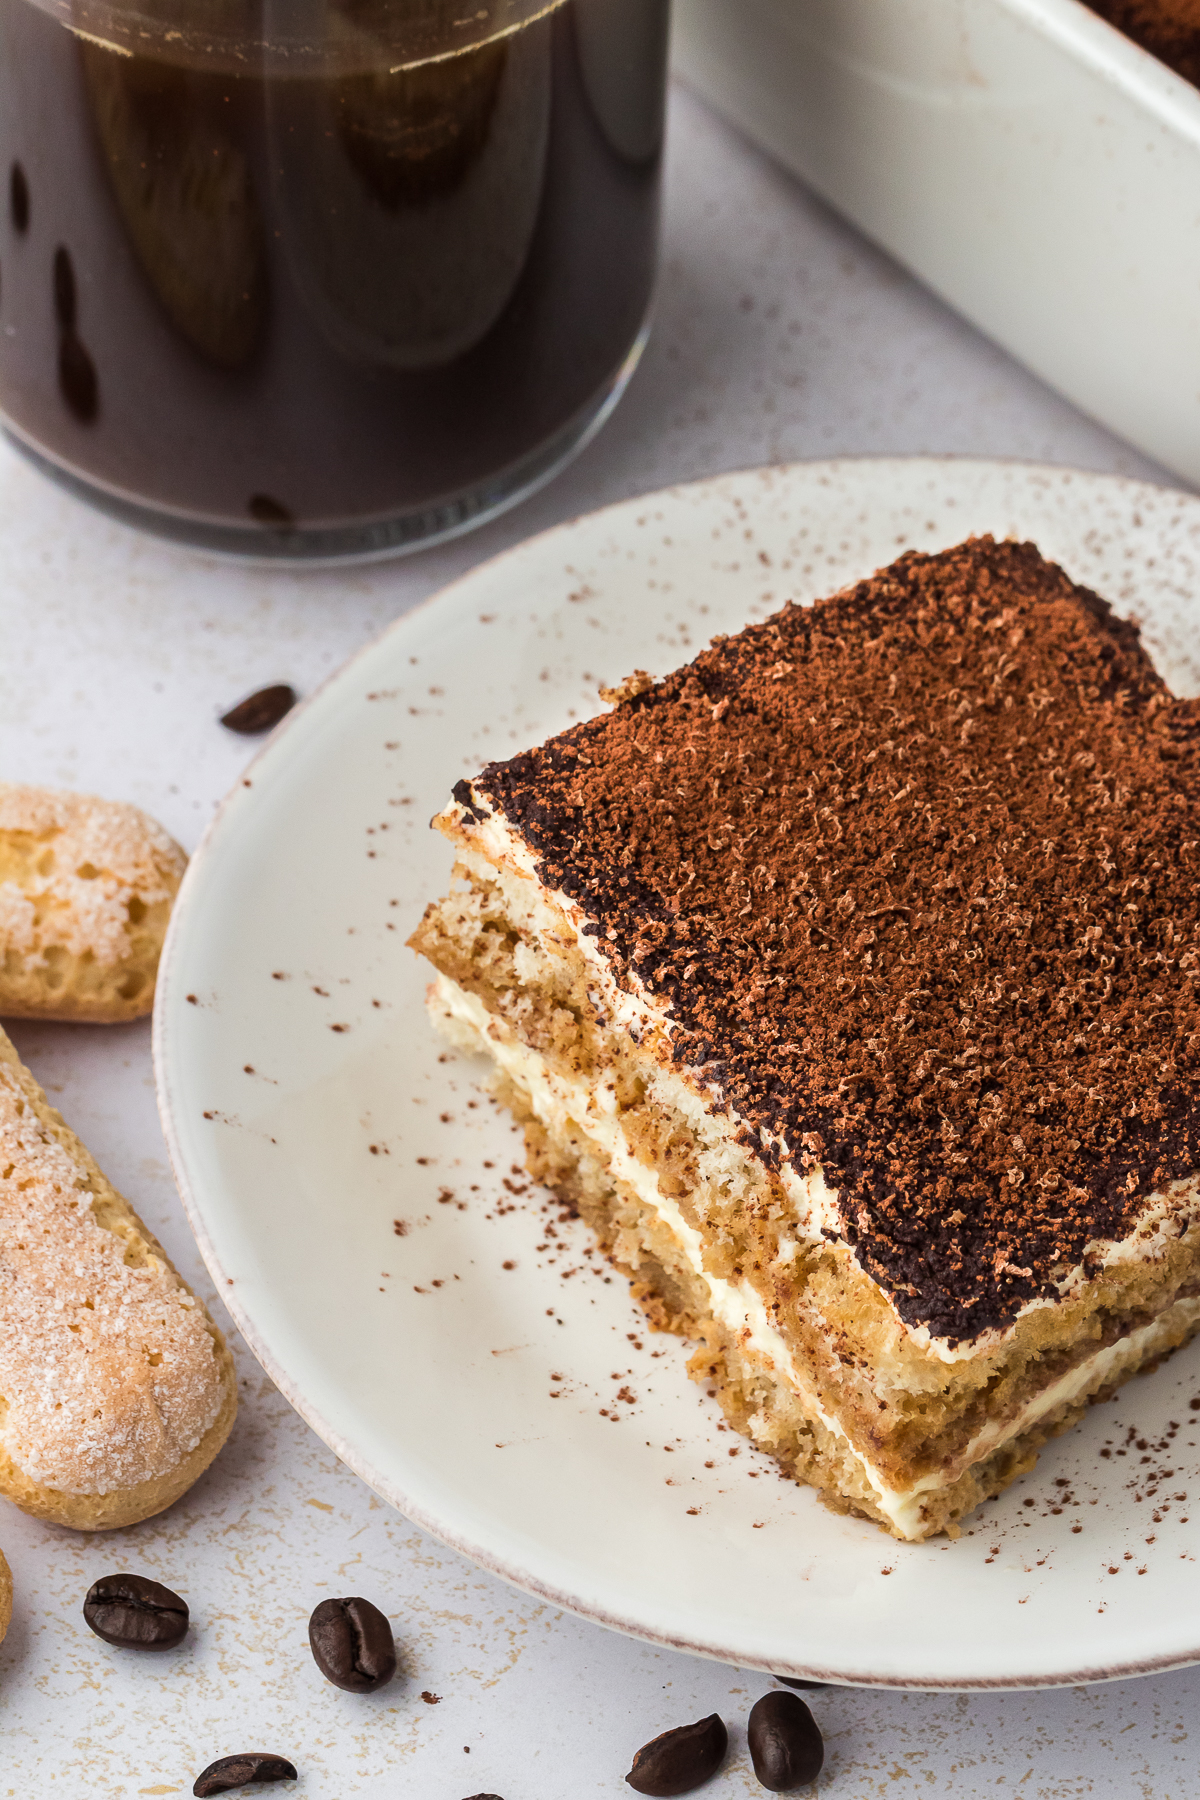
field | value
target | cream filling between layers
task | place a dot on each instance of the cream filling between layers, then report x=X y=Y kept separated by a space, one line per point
x=737 y=1305
x=494 y=852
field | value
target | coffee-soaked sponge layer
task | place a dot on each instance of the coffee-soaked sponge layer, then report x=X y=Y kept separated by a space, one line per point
x=522 y=995
x=759 y=1405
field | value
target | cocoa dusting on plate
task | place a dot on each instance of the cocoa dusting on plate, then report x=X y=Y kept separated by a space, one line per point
x=915 y=873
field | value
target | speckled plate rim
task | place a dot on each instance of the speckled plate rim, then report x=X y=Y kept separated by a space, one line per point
x=170 y=1004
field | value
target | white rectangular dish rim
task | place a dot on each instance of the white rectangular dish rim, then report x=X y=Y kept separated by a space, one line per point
x=1137 y=72
x=1026 y=160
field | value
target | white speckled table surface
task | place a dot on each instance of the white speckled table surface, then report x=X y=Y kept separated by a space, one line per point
x=780 y=335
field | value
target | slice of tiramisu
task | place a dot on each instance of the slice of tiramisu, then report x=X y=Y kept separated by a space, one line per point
x=848 y=982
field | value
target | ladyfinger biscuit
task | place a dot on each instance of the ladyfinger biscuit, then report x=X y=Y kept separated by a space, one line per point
x=5 y=1596
x=86 y=887
x=116 y=1388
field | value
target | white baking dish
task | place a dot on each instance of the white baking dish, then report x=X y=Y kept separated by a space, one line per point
x=1032 y=165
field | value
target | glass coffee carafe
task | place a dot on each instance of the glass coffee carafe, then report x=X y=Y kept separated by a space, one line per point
x=322 y=277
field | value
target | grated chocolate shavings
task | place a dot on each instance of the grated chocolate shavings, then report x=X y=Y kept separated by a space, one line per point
x=915 y=874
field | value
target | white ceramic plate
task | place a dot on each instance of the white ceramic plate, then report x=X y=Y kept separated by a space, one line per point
x=472 y=1365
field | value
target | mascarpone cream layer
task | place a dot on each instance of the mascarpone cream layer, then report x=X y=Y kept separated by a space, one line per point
x=737 y=1305
x=492 y=851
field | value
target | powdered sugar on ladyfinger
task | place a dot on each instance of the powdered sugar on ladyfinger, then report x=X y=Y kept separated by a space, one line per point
x=102 y=855
x=108 y=1371
x=86 y=887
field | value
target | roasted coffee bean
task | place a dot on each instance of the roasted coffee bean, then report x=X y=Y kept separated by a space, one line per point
x=353 y=1645
x=259 y=711
x=791 y=1681
x=135 y=1613
x=785 y=1744
x=484 y=1797
x=229 y=1772
x=679 y=1760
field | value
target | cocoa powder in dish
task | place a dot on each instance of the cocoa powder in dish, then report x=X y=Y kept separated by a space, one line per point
x=1168 y=29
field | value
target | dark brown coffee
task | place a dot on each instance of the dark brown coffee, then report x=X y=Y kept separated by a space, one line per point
x=342 y=305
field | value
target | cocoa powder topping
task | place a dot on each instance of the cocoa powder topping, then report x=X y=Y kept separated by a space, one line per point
x=915 y=874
